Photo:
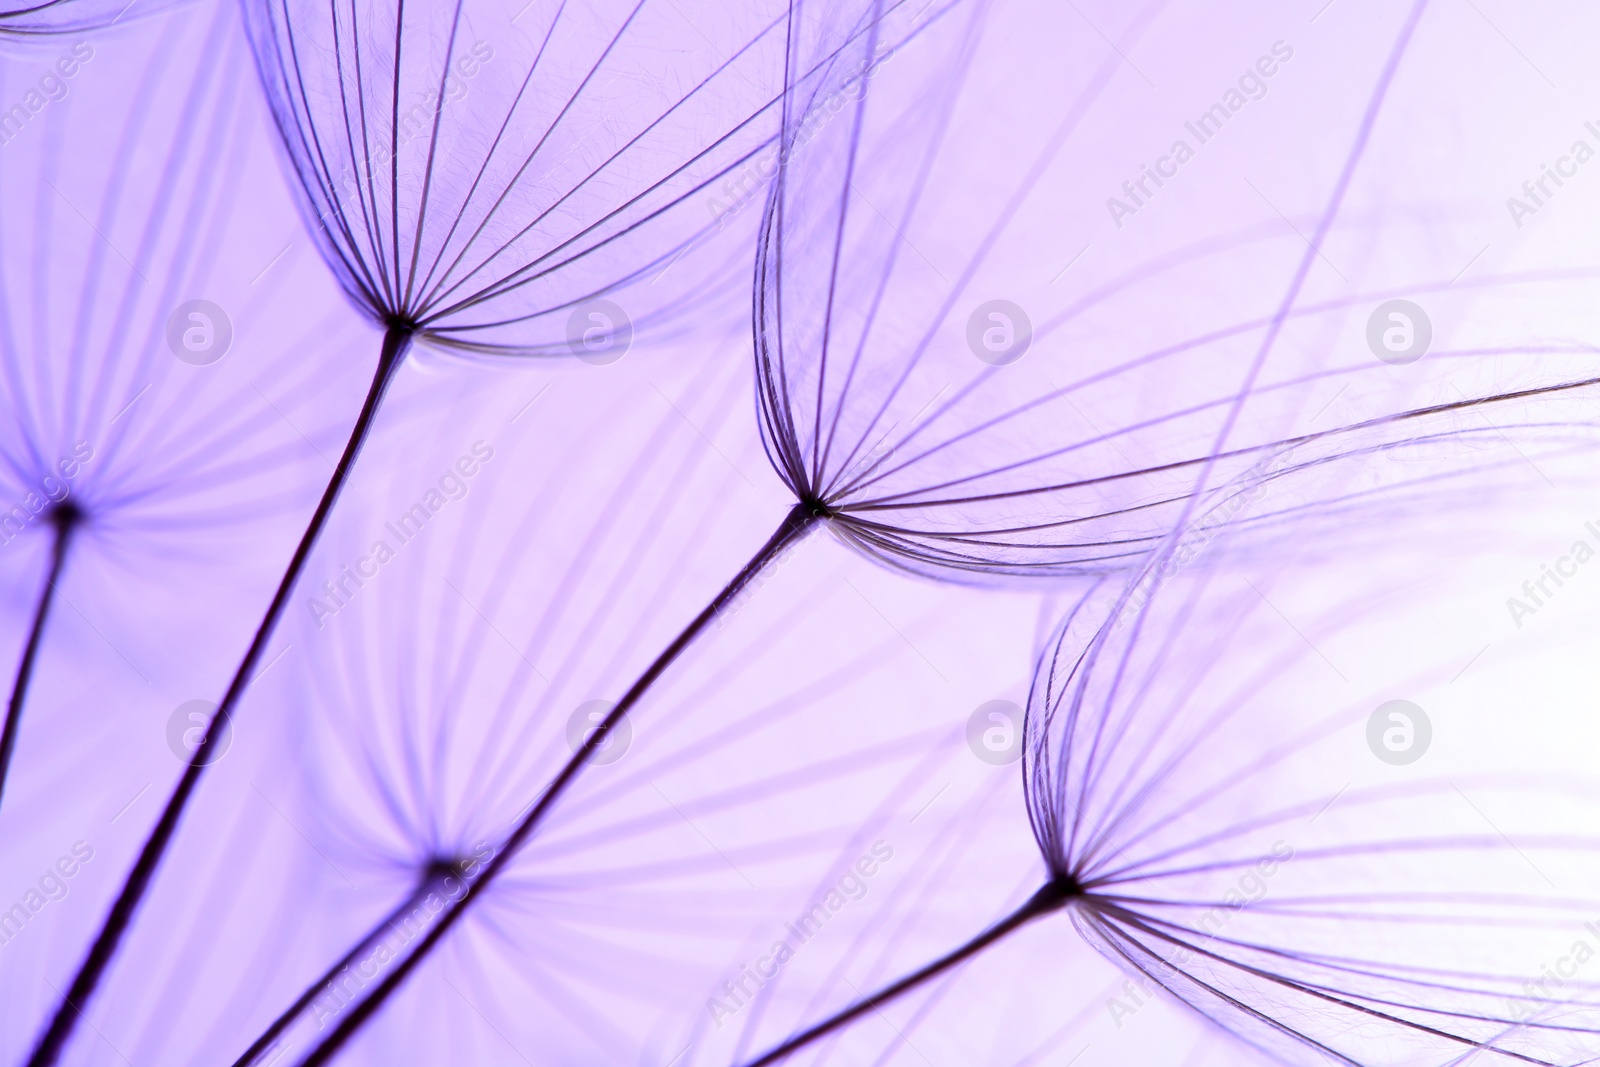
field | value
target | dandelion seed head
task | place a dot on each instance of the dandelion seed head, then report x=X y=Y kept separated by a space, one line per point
x=482 y=174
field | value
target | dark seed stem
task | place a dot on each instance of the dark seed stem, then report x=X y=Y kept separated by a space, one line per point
x=1052 y=896
x=282 y=1022
x=65 y=518
x=396 y=340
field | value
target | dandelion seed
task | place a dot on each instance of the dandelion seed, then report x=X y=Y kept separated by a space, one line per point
x=1186 y=834
x=480 y=175
x=951 y=431
x=460 y=732
x=110 y=441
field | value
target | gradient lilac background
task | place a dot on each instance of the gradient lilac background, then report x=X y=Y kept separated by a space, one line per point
x=830 y=710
